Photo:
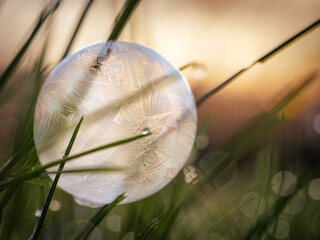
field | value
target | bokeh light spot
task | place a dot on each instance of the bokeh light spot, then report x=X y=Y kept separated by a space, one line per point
x=202 y=141
x=314 y=189
x=283 y=183
x=55 y=205
x=252 y=204
x=316 y=124
x=114 y=223
x=280 y=229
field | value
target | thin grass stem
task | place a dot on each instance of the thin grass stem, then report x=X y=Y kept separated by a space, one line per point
x=38 y=170
x=84 y=170
x=83 y=15
x=122 y=18
x=263 y=59
x=97 y=218
x=55 y=182
x=15 y=62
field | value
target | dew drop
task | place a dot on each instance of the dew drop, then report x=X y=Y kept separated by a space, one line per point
x=38 y=212
x=145 y=131
x=199 y=71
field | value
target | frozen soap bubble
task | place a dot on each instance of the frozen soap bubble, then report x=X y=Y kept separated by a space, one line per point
x=101 y=83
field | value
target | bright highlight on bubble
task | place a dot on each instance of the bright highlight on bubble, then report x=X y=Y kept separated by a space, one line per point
x=122 y=90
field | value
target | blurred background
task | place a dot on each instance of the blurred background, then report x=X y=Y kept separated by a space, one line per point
x=224 y=36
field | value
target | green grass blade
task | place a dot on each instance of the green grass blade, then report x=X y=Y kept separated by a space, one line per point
x=262 y=224
x=84 y=13
x=260 y=60
x=122 y=18
x=10 y=164
x=96 y=219
x=85 y=170
x=55 y=182
x=259 y=129
x=15 y=62
x=289 y=41
x=41 y=169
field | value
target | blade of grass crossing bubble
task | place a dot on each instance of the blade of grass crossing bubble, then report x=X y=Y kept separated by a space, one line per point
x=84 y=170
x=41 y=169
x=16 y=61
x=96 y=219
x=55 y=182
x=263 y=59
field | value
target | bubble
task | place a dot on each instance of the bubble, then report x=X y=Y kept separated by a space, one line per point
x=107 y=98
x=55 y=206
x=252 y=204
x=314 y=189
x=114 y=223
x=280 y=229
x=316 y=124
x=283 y=183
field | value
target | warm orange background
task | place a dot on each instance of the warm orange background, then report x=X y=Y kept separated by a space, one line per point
x=225 y=35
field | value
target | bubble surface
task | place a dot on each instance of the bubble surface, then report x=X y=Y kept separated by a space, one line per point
x=122 y=90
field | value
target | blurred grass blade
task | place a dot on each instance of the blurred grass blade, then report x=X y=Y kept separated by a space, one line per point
x=122 y=18
x=84 y=13
x=263 y=59
x=86 y=170
x=96 y=219
x=289 y=41
x=241 y=145
x=55 y=182
x=41 y=169
x=15 y=62
x=10 y=164
x=221 y=86
x=261 y=225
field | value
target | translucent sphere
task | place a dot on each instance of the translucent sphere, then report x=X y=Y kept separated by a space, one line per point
x=122 y=90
